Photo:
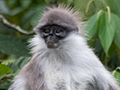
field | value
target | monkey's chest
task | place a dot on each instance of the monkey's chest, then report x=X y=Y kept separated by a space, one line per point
x=65 y=79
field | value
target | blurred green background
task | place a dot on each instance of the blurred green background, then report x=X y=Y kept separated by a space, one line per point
x=18 y=17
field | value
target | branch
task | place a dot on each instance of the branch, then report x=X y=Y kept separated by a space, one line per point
x=5 y=79
x=15 y=26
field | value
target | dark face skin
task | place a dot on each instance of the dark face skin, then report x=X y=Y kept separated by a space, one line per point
x=53 y=34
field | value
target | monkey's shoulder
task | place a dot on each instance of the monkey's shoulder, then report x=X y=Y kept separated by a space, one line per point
x=33 y=75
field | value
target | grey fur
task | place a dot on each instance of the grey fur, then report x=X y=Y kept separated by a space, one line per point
x=71 y=66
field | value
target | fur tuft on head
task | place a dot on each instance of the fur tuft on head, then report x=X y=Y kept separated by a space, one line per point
x=61 y=15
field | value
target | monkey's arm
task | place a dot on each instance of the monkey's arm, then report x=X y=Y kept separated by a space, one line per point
x=100 y=79
x=29 y=78
x=105 y=84
x=103 y=80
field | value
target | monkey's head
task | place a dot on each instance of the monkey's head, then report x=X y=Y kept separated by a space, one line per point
x=57 y=24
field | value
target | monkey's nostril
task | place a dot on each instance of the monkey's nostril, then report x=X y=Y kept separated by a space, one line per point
x=52 y=45
x=49 y=43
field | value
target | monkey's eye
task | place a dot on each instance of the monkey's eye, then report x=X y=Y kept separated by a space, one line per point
x=46 y=31
x=58 y=31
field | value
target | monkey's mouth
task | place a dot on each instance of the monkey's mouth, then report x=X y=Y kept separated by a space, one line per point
x=52 y=45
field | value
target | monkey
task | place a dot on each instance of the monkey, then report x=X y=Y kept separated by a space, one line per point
x=61 y=59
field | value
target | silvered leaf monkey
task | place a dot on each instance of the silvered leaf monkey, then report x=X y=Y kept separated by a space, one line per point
x=61 y=59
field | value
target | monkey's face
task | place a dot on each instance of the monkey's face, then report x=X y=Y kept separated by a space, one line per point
x=53 y=35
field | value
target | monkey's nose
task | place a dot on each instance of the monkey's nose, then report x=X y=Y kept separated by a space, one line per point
x=52 y=45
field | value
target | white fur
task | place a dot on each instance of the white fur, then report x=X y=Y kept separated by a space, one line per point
x=19 y=83
x=71 y=66
x=72 y=62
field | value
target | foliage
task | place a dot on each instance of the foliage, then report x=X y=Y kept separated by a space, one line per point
x=13 y=45
x=4 y=69
x=102 y=28
x=102 y=19
x=116 y=74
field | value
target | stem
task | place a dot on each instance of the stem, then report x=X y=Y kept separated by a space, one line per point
x=15 y=26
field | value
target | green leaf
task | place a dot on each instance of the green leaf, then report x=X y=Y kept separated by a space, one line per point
x=9 y=61
x=22 y=61
x=47 y=1
x=117 y=31
x=32 y=17
x=114 y=6
x=92 y=25
x=69 y=1
x=106 y=31
x=11 y=3
x=6 y=30
x=16 y=11
x=117 y=37
x=35 y=19
x=4 y=69
x=16 y=73
x=100 y=4
x=25 y=3
x=82 y=5
x=12 y=45
x=3 y=8
x=19 y=63
x=27 y=17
